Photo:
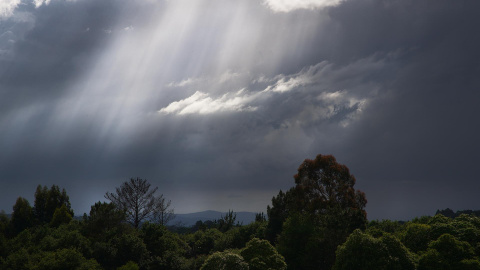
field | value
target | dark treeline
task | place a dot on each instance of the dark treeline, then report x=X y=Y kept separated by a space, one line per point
x=449 y=213
x=320 y=223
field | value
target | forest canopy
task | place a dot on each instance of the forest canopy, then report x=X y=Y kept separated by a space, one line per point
x=319 y=223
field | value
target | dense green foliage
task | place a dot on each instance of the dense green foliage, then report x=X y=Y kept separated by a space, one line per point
x=104 y=239
x=362 y=251
x=318 y=224
x=225 y=260
x=261 y=255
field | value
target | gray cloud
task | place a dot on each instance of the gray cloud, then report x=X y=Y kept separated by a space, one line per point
x=218 y=103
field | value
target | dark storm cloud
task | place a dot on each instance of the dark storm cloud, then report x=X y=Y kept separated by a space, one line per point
x=416 y=139
x=218 y=103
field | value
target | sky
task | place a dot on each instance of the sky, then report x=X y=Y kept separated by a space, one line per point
x=217 y=103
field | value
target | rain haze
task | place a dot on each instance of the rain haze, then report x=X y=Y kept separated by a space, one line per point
x=218 y=102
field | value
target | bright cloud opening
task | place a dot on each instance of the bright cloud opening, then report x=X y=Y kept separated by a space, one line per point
x=290 y=5
x=7 y=7
x=39 y=3
x=202 y=103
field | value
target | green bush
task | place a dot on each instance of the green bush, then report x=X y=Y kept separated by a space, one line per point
x=448 y=253
x=261 y=255
x=224 y=261
x=364 y=252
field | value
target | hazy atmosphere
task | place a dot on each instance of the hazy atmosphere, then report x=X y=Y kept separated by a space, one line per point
x=218 y=102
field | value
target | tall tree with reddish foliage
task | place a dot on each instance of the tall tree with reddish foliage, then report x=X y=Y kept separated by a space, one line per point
x=325 y=201
x=325 y=189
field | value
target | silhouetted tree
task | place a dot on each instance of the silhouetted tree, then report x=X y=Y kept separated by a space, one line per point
x=447 y=212
x=199 y=225
x=4 y=231
x=48 y=200
x=164 y=213
x=139 y=202
x=39 y=205
x=22 y=216
x=227 y=222
x=277 y=214
x=260 y=217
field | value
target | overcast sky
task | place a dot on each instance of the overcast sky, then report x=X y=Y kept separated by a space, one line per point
x=218 y=102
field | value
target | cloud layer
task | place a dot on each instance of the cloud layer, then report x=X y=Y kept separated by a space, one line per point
x=218 y=103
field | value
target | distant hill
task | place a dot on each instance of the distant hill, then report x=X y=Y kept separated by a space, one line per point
x=190 y=219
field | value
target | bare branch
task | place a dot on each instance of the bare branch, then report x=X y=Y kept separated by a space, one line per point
x=139 y=203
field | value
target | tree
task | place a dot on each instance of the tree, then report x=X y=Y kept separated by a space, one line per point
x=326 y=188
x=300 y=242
x=468 y=229
x=278 y=213
x=104 y=221
x=64 y=259
x=22 y=216
x=261 y=255
x=203 y=242
x=448 y=253
x=19 y=259
x=324 y=196
x=66 y=236
x=61 y=216
x=364 y=252
x=39 y=211
x=47 y=201
x=385 y=225
x=167 y=250
x=164 y=214
x=260 y=217
x=227 y=222
x=129 y=247
x=139 y=202
x=416 y=236
x=223 y=261
x=4 y=222
x=447 y=212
